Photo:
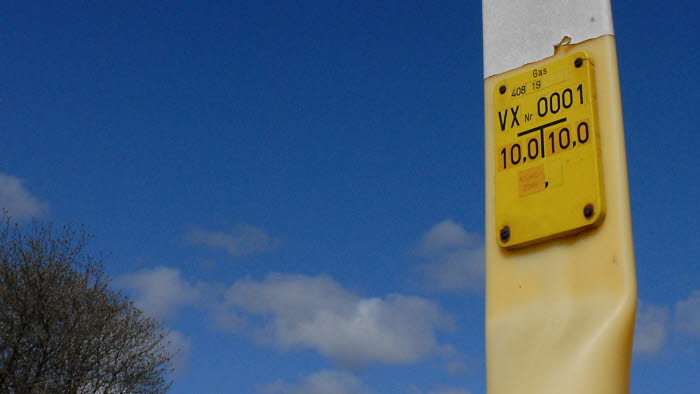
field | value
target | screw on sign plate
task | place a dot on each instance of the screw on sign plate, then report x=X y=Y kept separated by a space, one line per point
x=578 y=62
x=502 y=89
x=505 y=234
x=588 y=211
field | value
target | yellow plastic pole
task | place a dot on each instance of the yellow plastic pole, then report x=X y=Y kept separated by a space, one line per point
x=560 y=312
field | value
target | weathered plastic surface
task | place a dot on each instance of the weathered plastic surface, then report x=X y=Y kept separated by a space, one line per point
x=523 y=31
x=560 y=314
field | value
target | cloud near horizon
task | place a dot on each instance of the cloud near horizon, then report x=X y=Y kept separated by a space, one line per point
x=17 y=200
x=244 y=240
x=687 y=315
x=456 y=258
x=656 y=323
x=298 y=311
x=323 y=382
x=181 y=346
x=340 y=382
x=651 y=329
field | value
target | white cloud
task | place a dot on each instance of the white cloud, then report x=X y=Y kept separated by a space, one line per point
x=181 y=346
x=654 y=322
x=159 y=292
x=297 y=311
x=455 y=367
x=457 y=271
x=16 y=200
x=687 y=315
x=445 y=235
x=323 y=382
x=244 y=240
x=456 y=258
x=650 y=329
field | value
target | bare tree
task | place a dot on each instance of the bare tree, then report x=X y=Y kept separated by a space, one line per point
x=62 y=328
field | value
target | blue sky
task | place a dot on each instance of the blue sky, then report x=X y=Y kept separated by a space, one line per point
x=296 y=187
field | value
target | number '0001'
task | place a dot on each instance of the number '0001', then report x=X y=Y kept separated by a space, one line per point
x=558 y=100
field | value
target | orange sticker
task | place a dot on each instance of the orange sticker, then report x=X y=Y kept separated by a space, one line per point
x=531 y=180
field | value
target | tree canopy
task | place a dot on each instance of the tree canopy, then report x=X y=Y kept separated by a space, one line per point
x=62 y=327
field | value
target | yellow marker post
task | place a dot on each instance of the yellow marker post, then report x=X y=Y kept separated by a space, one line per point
x=560 y=280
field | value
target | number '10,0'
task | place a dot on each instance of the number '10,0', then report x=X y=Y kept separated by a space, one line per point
x=558 y=141
x=564 y=137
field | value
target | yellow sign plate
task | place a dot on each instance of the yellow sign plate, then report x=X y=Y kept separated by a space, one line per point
x=548 y=176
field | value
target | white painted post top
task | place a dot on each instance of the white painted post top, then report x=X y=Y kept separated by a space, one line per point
x=518 y=32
